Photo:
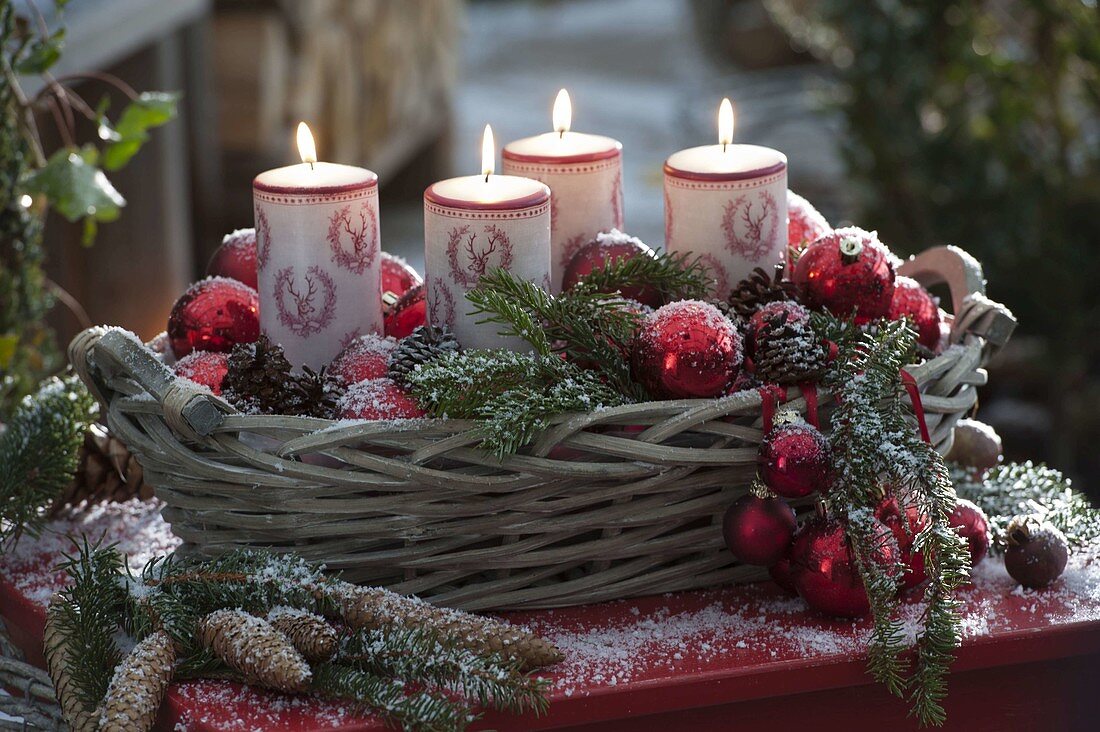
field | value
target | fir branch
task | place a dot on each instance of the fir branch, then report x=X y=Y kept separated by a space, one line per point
x=412 y=709
x=515 y=396
x=39 y=452
x=674 y=276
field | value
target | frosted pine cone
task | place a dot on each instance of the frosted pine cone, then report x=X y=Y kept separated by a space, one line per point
x=138 y=686
x=785 y=348
x=260 y=653
x=314 y=638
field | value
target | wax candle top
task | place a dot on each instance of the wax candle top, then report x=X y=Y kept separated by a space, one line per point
x=732 y=163
x=562 y=145
x=314 y=177
x=498 y=192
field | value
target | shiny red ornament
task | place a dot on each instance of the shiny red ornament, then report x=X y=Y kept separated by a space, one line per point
x=847 y=271
x=905 y=521
x=824 y=570
x=206 y=368
x=759 y=530
x=366 y=357
x=686 y=349
x=780 y=572
x=794 y=459
x=236 y=258
x=378 y=399
x=407 y=314
x=606 y=248
x=398 y=276
x=912 y=301
x=214 y=314
x=972 y=524
x=805 y=224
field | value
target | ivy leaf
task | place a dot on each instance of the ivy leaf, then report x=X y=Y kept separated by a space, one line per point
x=42 y=54
x=75 y=186
x=149 y=110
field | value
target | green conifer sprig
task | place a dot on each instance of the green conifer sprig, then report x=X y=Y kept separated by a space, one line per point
x=674 y=276
x=412 y=709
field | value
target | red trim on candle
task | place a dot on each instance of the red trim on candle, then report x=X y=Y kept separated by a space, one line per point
x=737 y=175
x=308 y=190
x=590 y=157
x=533 y=199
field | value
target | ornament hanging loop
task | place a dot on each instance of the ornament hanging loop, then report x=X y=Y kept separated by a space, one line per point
x=850 y=249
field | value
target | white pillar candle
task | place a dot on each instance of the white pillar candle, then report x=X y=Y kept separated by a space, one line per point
x=473 y=225
x=727 y=204
x=585 y=175
x=319 y=269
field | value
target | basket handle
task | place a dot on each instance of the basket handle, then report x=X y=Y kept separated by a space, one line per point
x=100 y=354
x=975 y=314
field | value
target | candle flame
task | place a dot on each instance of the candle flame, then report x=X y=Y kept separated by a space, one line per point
x=563 y=112
x=307 y=148
x=488 y=153
x=725 y=123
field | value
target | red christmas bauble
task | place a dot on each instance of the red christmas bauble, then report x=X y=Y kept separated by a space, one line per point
x=214 y=314
x=916 y=303
x=904 y=521
x=686 y=349
x=794 y=459
x=366 y=357
x=236 y=257
x=824 y=569
x=407 y=314
x=206 y=368
x=759 y=530
x=378 y=399
x=780 y=572
x=846 y=272
x=607 y=247
x=972 y=524
x=805 y=224
x=1037 y=552
x=398 y=276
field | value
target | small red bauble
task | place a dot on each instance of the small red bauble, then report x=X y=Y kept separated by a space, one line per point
x=366 y=357
x=207 y=368
x=971 y=523
x=916 y=303
x=1037 y=552
x=794 y=458
x=398 y=276
x=804 y=224
x=686 y=349
x=607 y=247
x=236 y=257
x=780 y=572
x=759 y=530
x=904 y=522
x=847 y=272
x=214 y=314
x=407 y=314
x=378 y=399
x=824 y=569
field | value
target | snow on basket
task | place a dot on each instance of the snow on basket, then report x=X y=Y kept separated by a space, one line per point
x=414 y=505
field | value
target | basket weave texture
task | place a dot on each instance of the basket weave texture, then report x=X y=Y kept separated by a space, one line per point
x=617 y=503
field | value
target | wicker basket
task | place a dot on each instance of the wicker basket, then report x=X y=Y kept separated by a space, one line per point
x=614 y=504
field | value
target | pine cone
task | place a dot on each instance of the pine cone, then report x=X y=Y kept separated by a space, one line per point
x=261 y=380
x=372 y=607
x=758 y=289
x=56 y=650
x=260 y=653
x=107 y=471
x=422 y=345
x=311 y=634
x=138 y=686
x=786 y=351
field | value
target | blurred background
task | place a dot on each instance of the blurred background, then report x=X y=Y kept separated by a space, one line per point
x=972 y=123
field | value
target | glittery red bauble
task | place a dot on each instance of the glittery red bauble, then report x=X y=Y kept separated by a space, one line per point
x=214 y=314
x=366 y=357
x=378 y=399
x=207 y=368
x=780 y=572
x=804 y=223
x=904 y=522
x=398 y=276
x=824 y=570
x=606 y=248
x=686 y=349
x=847 y=271
x=408 y=313
x=973 y=525
x=794 y=460
x=916 y=303
x=236 y=257
x=759 y=530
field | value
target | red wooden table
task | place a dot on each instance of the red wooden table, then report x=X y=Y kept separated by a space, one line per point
x=739 y=658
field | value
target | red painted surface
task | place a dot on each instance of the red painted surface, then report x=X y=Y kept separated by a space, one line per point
x=1030 y=664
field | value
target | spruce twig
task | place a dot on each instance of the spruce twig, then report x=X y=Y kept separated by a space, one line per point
x=674 y=276
x=413 y=710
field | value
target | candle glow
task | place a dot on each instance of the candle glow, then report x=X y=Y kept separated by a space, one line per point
x=725 y=123
x=488 y=153
x=307 y=148
x=563 y=113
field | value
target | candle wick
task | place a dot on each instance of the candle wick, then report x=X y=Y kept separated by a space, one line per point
x=561 y=135
x=311 y=165
x=487 y=177
x=724 y=146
